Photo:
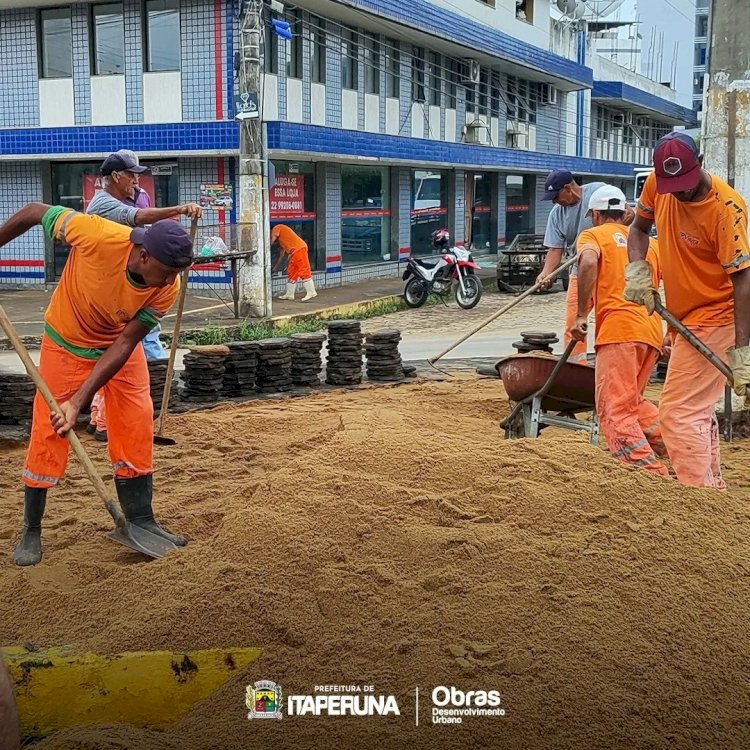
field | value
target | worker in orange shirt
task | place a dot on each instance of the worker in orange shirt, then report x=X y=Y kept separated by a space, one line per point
x=292 y=245
x=701 y=224
x=117 y=284
x=628 y=340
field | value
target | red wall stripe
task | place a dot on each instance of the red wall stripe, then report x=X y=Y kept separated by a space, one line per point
x=218 y=59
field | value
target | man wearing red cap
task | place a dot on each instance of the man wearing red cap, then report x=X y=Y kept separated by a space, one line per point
x=701 y=224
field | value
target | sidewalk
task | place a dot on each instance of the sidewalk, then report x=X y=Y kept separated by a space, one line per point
x=26 y=307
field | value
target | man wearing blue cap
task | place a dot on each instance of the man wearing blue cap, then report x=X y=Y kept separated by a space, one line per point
x=119 y=201
x=116 y=285
x=565 y=222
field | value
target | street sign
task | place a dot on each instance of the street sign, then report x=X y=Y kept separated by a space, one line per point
x=247 y=106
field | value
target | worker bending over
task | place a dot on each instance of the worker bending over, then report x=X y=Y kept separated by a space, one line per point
x=628 y=340
x=117 y=284
x=292 y=245
x=701 y=224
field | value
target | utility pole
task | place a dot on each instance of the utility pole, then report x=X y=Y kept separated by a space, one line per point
x=726 y=118
x=255 y=276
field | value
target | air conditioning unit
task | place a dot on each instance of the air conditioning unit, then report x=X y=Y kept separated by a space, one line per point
x=470 y=71
x=547 y=94
x=473 y=132
x=618 y=120
x=517 y=140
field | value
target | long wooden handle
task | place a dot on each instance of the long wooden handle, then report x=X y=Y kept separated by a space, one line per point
x=694 y=341
x=175 y=337
x=505 y=309
x=75 y=443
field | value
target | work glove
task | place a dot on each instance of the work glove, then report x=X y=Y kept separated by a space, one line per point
x=639 y=285
x=739 y=363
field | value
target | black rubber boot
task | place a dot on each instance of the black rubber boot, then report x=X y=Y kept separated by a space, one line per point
x=135 y=500
x=29 y=549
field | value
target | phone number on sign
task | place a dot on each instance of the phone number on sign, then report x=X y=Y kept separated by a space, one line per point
x=287 y=206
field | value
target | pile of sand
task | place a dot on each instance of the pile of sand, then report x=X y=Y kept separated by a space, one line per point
x=391 y=537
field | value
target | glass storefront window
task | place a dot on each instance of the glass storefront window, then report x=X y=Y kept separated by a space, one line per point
x=365 y=214
x=292 y=202
x=519 y=218
x=429 y=208
x=481 y=216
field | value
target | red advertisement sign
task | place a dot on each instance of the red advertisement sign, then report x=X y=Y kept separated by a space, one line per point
x=287 y=196
x=92 y=183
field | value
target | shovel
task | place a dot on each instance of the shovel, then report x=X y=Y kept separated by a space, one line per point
x=126 y=533
x=159 y=438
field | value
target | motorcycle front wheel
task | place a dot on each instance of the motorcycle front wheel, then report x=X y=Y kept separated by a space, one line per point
x=469 y=298
x=415 y=293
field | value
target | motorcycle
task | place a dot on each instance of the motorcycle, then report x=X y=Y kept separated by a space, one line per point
x=455 y=266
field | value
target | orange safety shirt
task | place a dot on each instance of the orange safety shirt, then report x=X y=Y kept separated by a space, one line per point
x=700 y=246
x=287 y=239
x=97 y=296
x=617 y=320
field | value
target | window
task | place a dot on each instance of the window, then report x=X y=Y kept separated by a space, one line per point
x=700 y=54
x=429 y=208
x=519 y=202
x=109 y=38
x=350 y=61
x=372 y=65
x=698 y=84
x=318 y=58
x=271 y=52
x=525 y=10
x=495 y=94
x=491 y=3
x=522 y=100
x=162 y=35
x=57 y=43
x=294 y=64
x=484 y=85
x=417 y=74
x=436 y=79
x=393 y=79
x=451 y=82
x=365 y=214
x=701 y=26
x=603 y=123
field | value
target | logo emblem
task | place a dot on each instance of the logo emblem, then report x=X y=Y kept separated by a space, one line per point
x=672 y=166
x=264 y=700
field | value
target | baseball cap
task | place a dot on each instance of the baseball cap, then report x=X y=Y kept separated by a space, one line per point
x=607 y=198
x=556 y=181
x=676 y=163
x=119 y=162
x=165 y=241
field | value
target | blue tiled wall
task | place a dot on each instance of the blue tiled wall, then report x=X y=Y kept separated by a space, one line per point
x=19 y=69
x=333 y=218
x=133 y=61
x=459 y=219
x=404 y=201
x=404 y=100
x=81 y=64
x=197 y=52
x=333 y=82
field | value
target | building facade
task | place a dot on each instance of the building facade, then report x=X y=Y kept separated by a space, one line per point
x=384 y=122
x=700 y=59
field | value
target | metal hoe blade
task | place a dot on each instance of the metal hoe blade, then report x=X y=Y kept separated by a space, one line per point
x=140 y=540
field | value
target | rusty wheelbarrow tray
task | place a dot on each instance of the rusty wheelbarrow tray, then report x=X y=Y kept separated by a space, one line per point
x=540 y=384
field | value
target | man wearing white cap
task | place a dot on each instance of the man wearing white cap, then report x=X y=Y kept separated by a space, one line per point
x=628 y=339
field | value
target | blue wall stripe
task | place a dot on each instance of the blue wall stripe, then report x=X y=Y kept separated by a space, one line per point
x=618 y=91
x=294 y=137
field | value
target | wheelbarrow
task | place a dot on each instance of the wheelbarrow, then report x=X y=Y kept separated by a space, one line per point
x=548 y=391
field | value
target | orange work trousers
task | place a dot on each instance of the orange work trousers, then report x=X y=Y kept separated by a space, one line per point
x=629 y=423
x=571 y=313
x=299 y=266
x=687 y=408
x=130 y=444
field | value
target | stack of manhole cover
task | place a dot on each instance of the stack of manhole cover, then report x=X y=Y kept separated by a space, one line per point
x=241 y=369
x=203 y=377
x=536 y=341
x=344 y=363
x=157 y=375
x=307 y=359
x=274 y=373
x=16 y=398
x=383 y=357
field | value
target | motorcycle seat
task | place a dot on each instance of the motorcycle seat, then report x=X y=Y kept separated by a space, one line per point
x=425 y=263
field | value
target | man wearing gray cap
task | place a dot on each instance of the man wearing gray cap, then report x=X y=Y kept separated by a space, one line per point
x=121 y=200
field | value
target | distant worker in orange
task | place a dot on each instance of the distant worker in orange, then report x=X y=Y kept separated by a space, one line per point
x=628 y=340
x=292 y=245
x=117 y=284
x=701 y=224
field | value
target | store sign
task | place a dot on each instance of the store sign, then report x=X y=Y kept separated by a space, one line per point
x=161 y=169
x=287 y=197
x=92 y=184
x=246 y=106
x=216 y=197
